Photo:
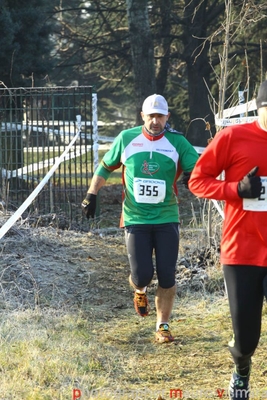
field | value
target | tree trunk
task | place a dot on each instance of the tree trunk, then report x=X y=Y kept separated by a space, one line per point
x=142 y=51
x=198 y=71
x=199 y=108
x=163 y=46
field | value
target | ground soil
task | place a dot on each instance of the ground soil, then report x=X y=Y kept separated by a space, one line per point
x=46 y=266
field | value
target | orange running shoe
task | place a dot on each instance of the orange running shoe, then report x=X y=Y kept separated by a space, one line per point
x=163 y=334
x=141 y=304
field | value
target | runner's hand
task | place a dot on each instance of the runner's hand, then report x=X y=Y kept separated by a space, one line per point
x=250 y=186
x=185 y=178
x=89 y=205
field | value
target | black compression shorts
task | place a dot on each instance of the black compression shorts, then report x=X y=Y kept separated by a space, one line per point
x=141 y=242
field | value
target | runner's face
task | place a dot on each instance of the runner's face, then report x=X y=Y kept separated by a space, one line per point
x=154 y=123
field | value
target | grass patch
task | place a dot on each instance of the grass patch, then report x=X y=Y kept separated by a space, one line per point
x=68 y=322
x=45 y=354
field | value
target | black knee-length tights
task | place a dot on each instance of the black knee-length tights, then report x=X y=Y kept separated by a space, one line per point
x=245 y=290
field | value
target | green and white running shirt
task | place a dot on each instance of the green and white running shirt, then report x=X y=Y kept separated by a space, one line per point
x=151 y=166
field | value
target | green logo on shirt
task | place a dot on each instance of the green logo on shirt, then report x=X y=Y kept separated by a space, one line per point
x=149 y=168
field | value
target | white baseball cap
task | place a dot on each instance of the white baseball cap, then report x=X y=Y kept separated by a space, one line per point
x=155 y=104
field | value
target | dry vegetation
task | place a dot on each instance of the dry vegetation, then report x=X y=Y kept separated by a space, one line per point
x=67 y=318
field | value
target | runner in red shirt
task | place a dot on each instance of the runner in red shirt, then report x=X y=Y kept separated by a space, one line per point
x=240 y=152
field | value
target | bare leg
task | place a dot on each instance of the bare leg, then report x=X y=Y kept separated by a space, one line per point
x=164 y=303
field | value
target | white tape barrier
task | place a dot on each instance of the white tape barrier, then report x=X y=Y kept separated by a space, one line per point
x=218 y=208
x=10 y=222
x=21 y=173
x=66 y=133
x=241 y=109
x=225 y=121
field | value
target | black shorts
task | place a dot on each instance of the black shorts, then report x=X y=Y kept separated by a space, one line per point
x=141 y=241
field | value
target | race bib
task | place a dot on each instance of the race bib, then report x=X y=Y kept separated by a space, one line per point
x=259 y=204
x=151 y=191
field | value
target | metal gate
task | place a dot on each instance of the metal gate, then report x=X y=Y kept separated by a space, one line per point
x=37 y=124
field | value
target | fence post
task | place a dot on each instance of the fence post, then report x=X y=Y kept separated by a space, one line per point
x=95 y=144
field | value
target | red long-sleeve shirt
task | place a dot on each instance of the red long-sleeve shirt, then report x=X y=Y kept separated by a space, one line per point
x=236 y=150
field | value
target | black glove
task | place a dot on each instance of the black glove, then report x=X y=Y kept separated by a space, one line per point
x=185 y=178
x=89 y=205
x=250 y=186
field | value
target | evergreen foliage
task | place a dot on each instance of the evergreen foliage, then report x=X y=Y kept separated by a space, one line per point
x=25 y=43
x=107 y=44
